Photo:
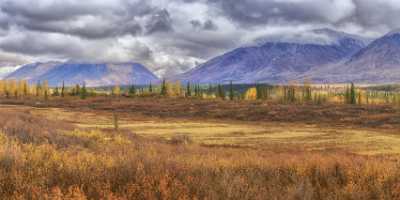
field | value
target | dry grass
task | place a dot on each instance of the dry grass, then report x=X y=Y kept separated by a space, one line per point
x=65 y=154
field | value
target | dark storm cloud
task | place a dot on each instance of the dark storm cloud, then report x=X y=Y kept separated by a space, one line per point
x=207 y=25
x=159 y=22
x=87 y=19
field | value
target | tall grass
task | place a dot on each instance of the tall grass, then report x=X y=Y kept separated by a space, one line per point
x=42 y=159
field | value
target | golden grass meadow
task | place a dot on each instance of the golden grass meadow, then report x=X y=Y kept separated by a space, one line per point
x=160 y=147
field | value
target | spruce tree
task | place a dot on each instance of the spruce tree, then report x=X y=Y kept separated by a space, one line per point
x=220 y=92
x=231 y=93
x=63 y=89
x=77 y=90
x=188 y=90
x=196 y=91
x=56 y=92
x=353 y=94
x=150 y=88
x=258 y=91
x=163 y=88
x=83 y=92
x=132 y=91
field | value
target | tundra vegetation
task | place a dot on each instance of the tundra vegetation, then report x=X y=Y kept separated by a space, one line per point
x=191 y=141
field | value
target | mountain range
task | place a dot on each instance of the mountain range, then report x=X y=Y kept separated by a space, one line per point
x=91 y=74
x=335 y=57
x=348 y=58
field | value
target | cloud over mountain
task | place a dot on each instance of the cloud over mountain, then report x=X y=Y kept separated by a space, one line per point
x=172 y=36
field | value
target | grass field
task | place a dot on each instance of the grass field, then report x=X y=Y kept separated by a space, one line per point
x=71 y=150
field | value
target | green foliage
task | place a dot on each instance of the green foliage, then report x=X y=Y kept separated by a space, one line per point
x=83 y=92
x=132 y=91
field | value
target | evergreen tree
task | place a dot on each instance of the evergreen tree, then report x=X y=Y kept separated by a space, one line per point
x=258 y=91
x=83 y=92
x=220 y=92
x=150 y=88
x=188 y=90
x=163 y=88
x=63 y=89
x=77 y=90
x=231 y=94
x=132 y=91
x=196 y=90
x=352 y=94
x=56 y=92
x=199 y=92
x=210 y=89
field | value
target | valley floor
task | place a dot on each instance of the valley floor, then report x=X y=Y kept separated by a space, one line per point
x=196 y=149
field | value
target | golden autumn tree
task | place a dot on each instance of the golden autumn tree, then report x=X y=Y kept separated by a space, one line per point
x=251 y=94
x=116 y=90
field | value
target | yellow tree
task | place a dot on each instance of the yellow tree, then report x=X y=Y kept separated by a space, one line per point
x=2 y=87
x=251 y=94
x=23 y=88
x=13 y=88
x=177 y=89
x=116 y=91
x=45 y=89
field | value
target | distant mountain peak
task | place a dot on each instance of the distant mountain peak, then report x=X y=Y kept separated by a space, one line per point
x=93 y=74
x=275 y=61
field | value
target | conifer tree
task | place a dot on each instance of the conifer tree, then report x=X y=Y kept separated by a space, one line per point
x=77 y=90
x=150 y=88
x=220 y=92
x=231 y=94
x=210 y=89
x=132 y=90
x=63 y=89
x=163 y=88
x=258 y=91
x=352 y=94
x=83 y=92
x=196 y=90
x=56 y=92
x=188 y=90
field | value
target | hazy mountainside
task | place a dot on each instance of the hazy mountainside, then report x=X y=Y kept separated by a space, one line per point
x=379 y=62
x=91 y=74
x=275 y=62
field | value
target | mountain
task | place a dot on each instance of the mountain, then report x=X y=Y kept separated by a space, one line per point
x=92 y=74
x=276 y=62
x=379 y=62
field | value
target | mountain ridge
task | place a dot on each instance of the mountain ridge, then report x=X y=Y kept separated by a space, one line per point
x=91 y=74
x=272 y=62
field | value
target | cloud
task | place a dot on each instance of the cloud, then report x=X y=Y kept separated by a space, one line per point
x=172 y=36
x=207 y=25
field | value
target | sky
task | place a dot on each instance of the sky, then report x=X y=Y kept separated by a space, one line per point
x=172 y=36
